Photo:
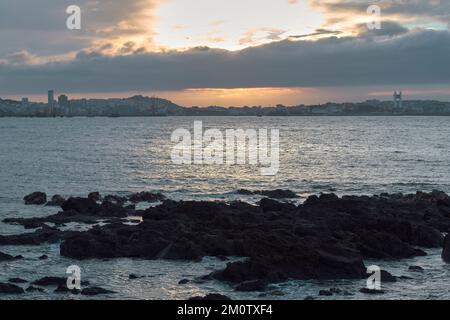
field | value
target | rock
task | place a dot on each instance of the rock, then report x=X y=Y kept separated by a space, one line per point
x=56 y=201
x=325 y=293
x=81 y=205
x=387 y=277
x=415 y=269
x=115 y=199
x=44 y=234
x=279 y=194
x=245 y=192
x=64 y=289
x=51 y=281
x=146 y=197
x=371 y=291
x=252 y=285
x=133 y=276
x=183 y=281
x=5 y=257
x=267 y=205
x=93 y=291
x=17 y=280
x=95 y=196
x=211 y=297
x=278 y=293
x=35 y=198
x=55 y=281
x=43 y=257
x=446 y=249
x=34 y=289
x=8 y=288
x=29 y=224
x=309 y=298
x=325 y=238
x=274 y=194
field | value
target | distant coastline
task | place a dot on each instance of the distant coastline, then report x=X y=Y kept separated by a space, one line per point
x=140 y=106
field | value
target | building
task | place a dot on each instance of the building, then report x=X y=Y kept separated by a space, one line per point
x=63 y=100
x=25 y=103
x=398 y=100
x=51 y=102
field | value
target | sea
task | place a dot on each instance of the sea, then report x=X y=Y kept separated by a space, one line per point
x=343 y=155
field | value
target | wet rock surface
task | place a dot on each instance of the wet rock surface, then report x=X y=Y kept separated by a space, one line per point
x=94 y=291
x=82 y=210
x=56 y=201
x=45 y=234
x=211 y=297
x=327 y=237
x=8 y=288
x=35 y=198
x=5 y=257
x=274 y=194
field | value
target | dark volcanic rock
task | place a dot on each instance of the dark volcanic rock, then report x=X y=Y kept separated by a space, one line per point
x=83 y=210
x=8 y=288
x=54 y=281
x=95 y=196
x=415 y=269
x=371 y=291
x=34 y=289
x=81 y=205
x=211 y=297
x=64 y=289
x=252 y=285
x=51 y=281
x=36 y=198
x=17 y=280
x=183 y=281
x=327 y=237
x=387 y=277
x=56 y=201
x=43 y=257
x=93 y=291
x=5 y=257
x=446 y=249
x=279 y=194
x=115 y=199
x=43 y=235
x=325 y=293
x=146 y=197
x=274 y=194
x=268 y=205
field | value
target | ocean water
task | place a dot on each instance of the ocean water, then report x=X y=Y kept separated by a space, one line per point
x=345 y=155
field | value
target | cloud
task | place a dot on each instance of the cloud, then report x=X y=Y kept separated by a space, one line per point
x=348 y=15
x=316 y=33
x=39 y=26
x=417 y=57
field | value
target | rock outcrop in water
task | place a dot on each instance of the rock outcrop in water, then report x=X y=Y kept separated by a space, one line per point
x=446 y=250
x=274 y=194
x=84 y=210
x=35 y=198
x=325 y=238
x=56 y=201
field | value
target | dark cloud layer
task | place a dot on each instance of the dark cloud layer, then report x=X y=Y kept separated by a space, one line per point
x=419 y=57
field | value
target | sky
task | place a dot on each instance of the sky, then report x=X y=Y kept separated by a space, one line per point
x=227 y=52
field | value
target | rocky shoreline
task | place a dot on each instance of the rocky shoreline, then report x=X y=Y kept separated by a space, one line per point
x=326 y=237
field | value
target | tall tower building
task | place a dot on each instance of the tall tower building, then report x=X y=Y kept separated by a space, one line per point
x=398 y=100
x=51 y=102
